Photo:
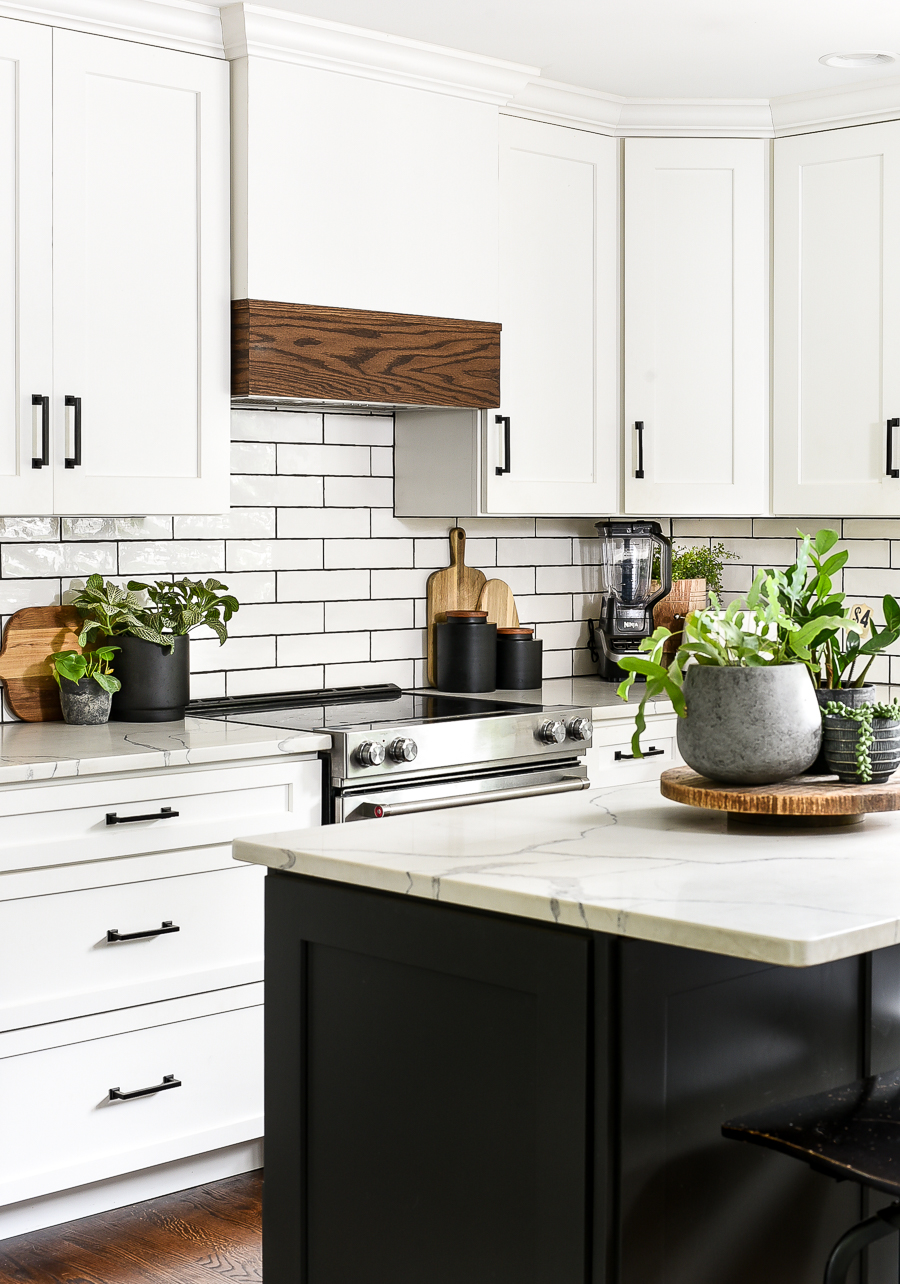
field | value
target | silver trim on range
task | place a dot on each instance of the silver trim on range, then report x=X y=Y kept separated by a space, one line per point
x=570 y=784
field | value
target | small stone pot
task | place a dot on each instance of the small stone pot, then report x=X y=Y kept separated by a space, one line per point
x=839 y=747
x=84 y=703
x=749 y=726
x=156 y=682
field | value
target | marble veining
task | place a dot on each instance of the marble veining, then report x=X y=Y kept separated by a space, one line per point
x=55 y=751
x=627 y=861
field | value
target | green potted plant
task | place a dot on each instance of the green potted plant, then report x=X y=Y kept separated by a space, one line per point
x=740 y=680
x=86 y=684
x=696 y=572
x=862 y=744
x=151 y=622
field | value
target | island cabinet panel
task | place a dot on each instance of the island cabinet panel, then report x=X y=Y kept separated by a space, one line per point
x=426 y=1092
x=705 y=1038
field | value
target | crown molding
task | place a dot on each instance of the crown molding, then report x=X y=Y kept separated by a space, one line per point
x=612 y=114
x=864 y=103
x=174 y=24
x=252 y=30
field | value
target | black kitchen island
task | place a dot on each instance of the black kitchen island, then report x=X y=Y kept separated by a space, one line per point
x=458 y=1092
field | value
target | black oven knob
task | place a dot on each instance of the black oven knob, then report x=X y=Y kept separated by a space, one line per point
x=403 y=750
x=552 y=733
x=580 y=729
x=370 y=754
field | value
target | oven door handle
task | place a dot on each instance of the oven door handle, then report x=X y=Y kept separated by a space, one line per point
x=568 y=785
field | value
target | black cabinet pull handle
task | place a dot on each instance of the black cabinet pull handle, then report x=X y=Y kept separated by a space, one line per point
x=168 y=926
x=639 y=427
x=75 y=461
x=891 y=470
x=169 y=1081
x=504 y=419
x=164 y=813
x=44 y=459
x=652 y=752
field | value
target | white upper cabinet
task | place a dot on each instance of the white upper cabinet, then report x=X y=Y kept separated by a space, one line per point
x=837 y=322
x=140 y=278
x=352 y=192
x=696 y=326
x=26 y=132
x=551 y=446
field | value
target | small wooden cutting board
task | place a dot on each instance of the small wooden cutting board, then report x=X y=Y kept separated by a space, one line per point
x=30 y=637
x=455 y=589
x=497 y=599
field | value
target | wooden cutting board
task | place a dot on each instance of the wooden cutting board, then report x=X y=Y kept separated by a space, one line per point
x=496 y=598
x=455 y=589
x=30 y=636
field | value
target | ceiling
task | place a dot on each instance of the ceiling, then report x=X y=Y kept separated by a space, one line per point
x=647 y=48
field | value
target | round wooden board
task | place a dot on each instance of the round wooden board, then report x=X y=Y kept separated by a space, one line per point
x=800 y=796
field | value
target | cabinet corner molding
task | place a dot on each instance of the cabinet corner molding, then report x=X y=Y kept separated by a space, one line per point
x=295 y=350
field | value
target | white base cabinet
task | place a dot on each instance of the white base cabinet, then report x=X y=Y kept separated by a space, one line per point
x=114 y=276
x=837 y=322
x=132 y=952
x=696 y=326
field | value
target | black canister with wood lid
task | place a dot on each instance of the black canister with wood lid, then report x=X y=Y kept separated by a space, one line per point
x=519 y=660
x=466 y=652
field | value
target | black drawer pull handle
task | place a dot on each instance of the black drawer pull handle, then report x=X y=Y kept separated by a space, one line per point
x=168 y=926
x=891 y=470
x=42 y=460
x=507 y=446
x=639 y=427
x=169 y=1081
x=165 y=813
x=652 y=752
x=75 y=460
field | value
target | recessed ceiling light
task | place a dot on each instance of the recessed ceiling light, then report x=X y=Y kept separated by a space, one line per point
x=862 y=58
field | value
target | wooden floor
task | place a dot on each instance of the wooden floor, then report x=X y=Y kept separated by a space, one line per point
x=199 y=1236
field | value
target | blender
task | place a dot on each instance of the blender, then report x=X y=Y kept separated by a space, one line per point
x=628 y=550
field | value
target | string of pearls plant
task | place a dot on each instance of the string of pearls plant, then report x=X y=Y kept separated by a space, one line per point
x=864 y=716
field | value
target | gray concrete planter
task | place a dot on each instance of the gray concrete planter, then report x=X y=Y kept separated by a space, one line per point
x=749 y=726
x=852 y=696
x=839 y=748
x=84 y=703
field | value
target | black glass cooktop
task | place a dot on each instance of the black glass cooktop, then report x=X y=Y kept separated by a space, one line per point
x=354 y=709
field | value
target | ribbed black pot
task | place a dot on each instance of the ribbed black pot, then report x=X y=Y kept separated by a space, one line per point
x=855 y=697
x=156 y=682
x=839 y=747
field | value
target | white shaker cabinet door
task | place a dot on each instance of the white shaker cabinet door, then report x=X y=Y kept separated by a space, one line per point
x=25 y=266
x=141 y=278
x=696 y=326
x=551 y=447
x=837 y=322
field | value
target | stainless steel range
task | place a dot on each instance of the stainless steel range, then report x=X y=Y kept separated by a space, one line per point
x=395 y=752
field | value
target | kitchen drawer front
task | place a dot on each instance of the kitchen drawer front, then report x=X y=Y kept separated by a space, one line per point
x=58 y=824
x=57 y=962
x=60 y=1128
x=615 y=765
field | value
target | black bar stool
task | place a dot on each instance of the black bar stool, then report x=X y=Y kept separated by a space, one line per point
x=852 y=1134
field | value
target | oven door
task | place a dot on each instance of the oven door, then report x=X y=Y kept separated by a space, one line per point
x=463 y=790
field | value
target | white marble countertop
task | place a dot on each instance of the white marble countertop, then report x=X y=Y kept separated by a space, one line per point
x=600 y=696
x=54 y=750
x=627 y=861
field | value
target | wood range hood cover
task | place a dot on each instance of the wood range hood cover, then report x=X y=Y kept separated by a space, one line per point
x=295 y=351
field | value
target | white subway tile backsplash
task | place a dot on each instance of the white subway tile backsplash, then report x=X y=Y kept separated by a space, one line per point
x=563 y=637
x=349 y=616
x=276 y=492
x=277 y=617
x=327 y=461
x=534 y=610
x=871 y=584
x=711 y=527
x=252 y=457
x=237 y=523
x=519 y=578
x=534 y=552
x=207 y=686
x=323 y=523
x=28 y=528
x=273 y=554
x=16 y=594
x=400 y=644
x=345 y=675
x=236 y=653
x=260 y=681
x=557 y=664
x=385 y=525
x=359 y=430
x=399 y=583
x=368 y=553
x=177 y=556
x=251 y=586
x=28 y=560
x=95 y=528
x=322 y=648
x=322 y=586
x=382 y=461
x=275 y=426
x=566 y=579
x=351 y=492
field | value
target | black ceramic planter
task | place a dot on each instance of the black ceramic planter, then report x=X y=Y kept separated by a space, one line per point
x=84 y=703
x=156 y=682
